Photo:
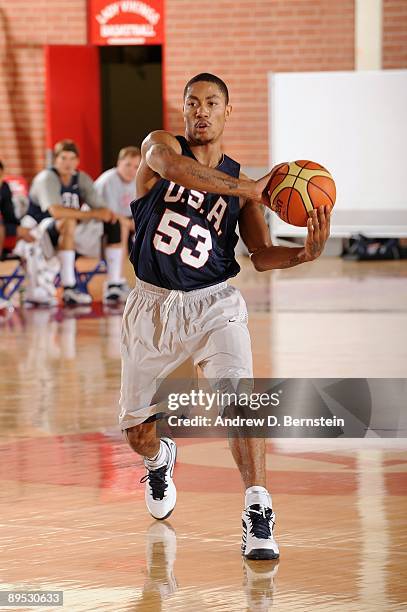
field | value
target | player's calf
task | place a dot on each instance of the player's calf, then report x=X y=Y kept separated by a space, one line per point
x=66 y=230
x=115 y=290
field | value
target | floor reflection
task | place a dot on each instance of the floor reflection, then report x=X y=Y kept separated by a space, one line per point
x=60 y=370
x=73 y=517
x=259 y=584
x=72 y=507
x=258 y=579
x=160 y=582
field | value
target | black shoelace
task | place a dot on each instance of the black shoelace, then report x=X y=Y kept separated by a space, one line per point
x=260 y=520
x=156 y=480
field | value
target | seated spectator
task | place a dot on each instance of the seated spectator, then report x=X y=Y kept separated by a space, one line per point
x=117 y=188
x=9 y=224
x=59 y=194
x=3 y=302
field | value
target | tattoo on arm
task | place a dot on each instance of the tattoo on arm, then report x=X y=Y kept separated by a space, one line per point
x=277 y=262
x=203 y=175
x=292 y=261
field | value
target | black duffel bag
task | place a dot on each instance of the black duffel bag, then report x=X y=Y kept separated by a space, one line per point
x=360 y=248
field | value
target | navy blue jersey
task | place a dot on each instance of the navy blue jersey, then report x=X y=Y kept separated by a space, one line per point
x=70 y=195
x=185 y=239
x=7 y=213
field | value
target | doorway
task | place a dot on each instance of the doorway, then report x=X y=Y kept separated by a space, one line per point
x=131 y=97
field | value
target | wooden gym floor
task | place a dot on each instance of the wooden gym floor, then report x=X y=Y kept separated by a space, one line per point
x=72 y=513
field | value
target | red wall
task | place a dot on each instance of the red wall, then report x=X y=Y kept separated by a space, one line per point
x=74 y=105
x=239 y=40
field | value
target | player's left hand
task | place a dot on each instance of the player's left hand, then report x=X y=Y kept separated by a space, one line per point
x=318 y=226
x=25 y=234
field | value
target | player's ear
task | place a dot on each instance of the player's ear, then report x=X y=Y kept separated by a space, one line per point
x=228 y=111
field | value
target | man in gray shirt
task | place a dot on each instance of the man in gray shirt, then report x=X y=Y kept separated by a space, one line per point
x=117 y=187
x=80 y=220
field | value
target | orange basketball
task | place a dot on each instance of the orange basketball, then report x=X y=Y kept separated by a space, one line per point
x=296 y=188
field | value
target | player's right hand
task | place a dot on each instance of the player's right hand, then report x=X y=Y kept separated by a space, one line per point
x=261 y=189
x=104 y=214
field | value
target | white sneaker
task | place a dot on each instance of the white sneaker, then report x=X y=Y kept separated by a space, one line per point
x=160 y=492
x=73 y=295
x=6 y=309
x=5 y=304
x=115 y=293
x=258 y=541
x=161 y=551
x=37 y=296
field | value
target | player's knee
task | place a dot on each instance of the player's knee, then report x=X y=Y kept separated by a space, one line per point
x=113 y=232
x=67 y=227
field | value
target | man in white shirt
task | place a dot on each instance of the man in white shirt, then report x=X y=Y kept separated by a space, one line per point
x=117 y=188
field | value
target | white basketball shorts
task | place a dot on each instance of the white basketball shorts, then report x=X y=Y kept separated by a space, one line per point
x=162 y=329
x=88 y=238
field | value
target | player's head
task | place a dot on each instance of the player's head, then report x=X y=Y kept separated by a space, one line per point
x=206 y=108
x=66 y=156
x=128 y=162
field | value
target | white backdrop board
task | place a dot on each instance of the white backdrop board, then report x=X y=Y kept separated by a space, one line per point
x=355 y=124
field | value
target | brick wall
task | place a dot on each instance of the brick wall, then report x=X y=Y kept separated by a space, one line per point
x=25 y=27
x=241 y=41
x=394 y=34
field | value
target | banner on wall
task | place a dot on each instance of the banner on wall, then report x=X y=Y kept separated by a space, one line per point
x=126 y=22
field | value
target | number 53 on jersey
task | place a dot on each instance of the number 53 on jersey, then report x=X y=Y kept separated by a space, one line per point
x=169 y=231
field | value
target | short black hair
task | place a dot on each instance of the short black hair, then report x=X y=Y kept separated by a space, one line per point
x=209 y=78
x=1 y=165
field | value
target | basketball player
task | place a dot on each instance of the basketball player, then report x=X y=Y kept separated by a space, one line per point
x=60 y=192
x=117 y=187
x=9 y=224
x=10 y=228
x=191 y=196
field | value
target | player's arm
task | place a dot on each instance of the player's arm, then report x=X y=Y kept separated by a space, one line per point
x=46 y=192
x=12 y=225
x=264 y=255
x=161 y=153
x=58 y=211
x=49 y=197
x=95 y=201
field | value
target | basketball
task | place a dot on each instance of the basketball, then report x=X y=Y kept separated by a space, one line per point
x=297 y=187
